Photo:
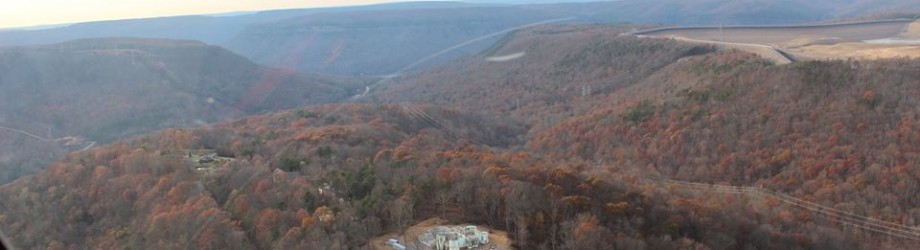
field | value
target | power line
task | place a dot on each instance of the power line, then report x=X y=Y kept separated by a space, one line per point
x=848 y=218
x=425 y=117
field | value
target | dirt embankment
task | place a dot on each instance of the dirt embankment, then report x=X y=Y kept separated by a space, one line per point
x=856 y=50
x=902 y=45
x=773 y=35
x=912 y=31
x=815 y=42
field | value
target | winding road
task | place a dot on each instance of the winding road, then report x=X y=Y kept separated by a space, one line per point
x=68 y=140
x=24 y=133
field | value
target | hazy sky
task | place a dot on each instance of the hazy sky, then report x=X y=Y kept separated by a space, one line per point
x=19 y=13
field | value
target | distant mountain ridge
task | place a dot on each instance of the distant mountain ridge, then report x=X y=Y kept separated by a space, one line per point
x=111 y=88
x=211 y=29
x=351 y=41
x=379 y=42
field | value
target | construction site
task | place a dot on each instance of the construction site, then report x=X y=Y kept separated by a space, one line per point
x=437 y=234
x=454 y=238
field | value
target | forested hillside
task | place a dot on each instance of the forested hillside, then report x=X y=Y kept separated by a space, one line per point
x=842 y=133
x=105 y=89
x=331 y=177
x=837 y=133
x=555 y=72
x=559 y=135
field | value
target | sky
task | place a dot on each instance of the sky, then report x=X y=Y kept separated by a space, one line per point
x=23 y=13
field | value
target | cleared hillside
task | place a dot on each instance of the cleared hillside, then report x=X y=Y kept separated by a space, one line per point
x=105 y=89
x=913 y=30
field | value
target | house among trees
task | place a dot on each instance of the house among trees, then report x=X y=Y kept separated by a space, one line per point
x=207 y=158
x=454 y=238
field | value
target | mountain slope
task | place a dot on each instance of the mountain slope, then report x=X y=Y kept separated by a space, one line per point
x=105 y=89
x=333 y=176
x=524 y=147
x=209 y=29
x=542 y=74
x=150 y=195
x=840 y=133
x=721 y=117
x=376 y=42
x=381 y=39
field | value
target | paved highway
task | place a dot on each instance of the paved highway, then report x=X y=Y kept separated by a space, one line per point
x=67 y=140
x=24 y=133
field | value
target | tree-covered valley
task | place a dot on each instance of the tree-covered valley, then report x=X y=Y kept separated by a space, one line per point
x=562 y=135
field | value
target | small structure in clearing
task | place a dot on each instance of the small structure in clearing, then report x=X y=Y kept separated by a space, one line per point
x=205 y=159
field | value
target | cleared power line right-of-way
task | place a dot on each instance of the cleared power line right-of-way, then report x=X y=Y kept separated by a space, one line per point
x=847 y=218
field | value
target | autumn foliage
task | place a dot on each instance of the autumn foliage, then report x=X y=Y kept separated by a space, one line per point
x=557 y=170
